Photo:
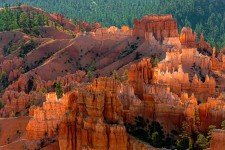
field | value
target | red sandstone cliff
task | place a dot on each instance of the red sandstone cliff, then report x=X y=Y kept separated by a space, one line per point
x=160 y=26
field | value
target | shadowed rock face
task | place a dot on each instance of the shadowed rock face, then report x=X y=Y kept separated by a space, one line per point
x=139 y=75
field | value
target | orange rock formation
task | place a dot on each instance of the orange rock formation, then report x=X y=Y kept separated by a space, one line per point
x=187 y=38
x=94 y=115
x=204 y=45
x=179 y=81
x=139 y=74
x=18 y=95
x=46 y=120
x=113 y=33
x=217 y=141
x=83 y=26
x=212 y=112
x=159 y=26
x=92 y=118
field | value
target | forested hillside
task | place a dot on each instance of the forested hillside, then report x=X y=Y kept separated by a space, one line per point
x=10 y=20
x=204 y=16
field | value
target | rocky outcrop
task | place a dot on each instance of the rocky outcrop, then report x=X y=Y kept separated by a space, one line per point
x=217 y=141
x=92 y=118
x=204 y=45
x=98 y=122
x=212 y=112
x=60 y=18
x=9 y=65
x=160 y=27
x=45 y=120
x=28 y=91
x=187 y=38
x=14 y=74
x=113 y=33
x=83 y=26
x=69 y=82
x=172 y=42
x=98 y=126
x=140 y=74
x=191 y=59
x=216 y=65
x=179 y=81
x=17 y=102
x=223 y=62
x=171 y=62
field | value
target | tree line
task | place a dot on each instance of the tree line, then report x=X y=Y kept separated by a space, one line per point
x=10 y=19
x=205 y=16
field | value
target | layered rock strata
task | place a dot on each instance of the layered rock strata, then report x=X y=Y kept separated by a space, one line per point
x=160 y=27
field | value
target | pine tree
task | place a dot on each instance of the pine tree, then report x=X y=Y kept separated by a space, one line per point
x=156 y=140
x=4 y=79
x=196 y=119
x=40 y=19
x=156 y=61
x=23 y=20
x=89 y=75
x=223 y=125
x=184 y=141
x=187 y=22
x=59 y=89
x=43 y=90
x=211 y=128
x=115 y=75
x=202 y=142
x=14 y=24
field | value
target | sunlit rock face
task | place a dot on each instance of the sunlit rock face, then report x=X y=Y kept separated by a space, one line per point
x=187 y=37
x=160 y=27
x=113 y=33
x=45 y=120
